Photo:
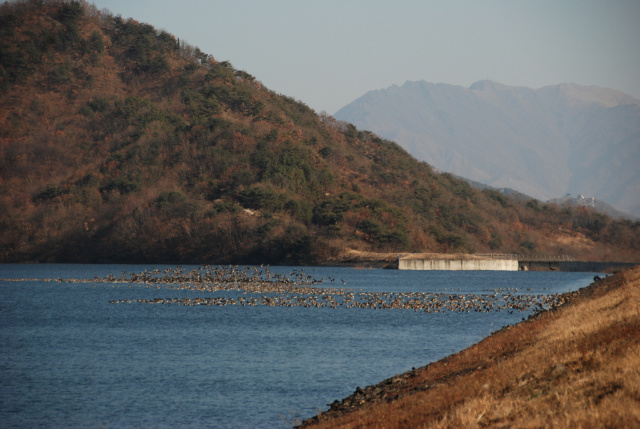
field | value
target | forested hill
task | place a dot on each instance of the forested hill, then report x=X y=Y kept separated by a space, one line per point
x=118 y=143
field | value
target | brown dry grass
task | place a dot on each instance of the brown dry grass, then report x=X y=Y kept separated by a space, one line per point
x=576 y=367
x=355 y=256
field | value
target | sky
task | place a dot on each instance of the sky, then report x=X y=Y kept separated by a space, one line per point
x=327 y=53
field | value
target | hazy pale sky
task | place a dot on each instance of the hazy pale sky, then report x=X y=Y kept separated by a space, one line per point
x=327 y=53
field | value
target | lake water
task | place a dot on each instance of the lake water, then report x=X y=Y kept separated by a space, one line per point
x=72 y=358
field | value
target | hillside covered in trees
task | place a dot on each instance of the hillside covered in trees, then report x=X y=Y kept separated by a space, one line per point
x=121 y=143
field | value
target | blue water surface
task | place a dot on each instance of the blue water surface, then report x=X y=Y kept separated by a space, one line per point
x=71 y=359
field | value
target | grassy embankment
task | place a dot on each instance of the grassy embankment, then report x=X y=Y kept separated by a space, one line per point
x=359 y=258
x=575 y=367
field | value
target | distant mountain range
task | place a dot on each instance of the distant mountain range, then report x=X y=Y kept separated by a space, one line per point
x=548 y=142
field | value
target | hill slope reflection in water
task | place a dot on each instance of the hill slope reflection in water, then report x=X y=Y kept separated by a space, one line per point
x=220 y=352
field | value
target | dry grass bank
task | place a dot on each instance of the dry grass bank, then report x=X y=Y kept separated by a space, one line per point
x=576 y=367
x=389 y=259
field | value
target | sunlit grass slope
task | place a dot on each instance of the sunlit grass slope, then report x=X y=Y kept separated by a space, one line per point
x=575 y=367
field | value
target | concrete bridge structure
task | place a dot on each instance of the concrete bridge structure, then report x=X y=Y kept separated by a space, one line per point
x=502 y=262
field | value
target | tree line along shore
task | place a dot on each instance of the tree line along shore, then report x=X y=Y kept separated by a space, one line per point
x=576 y=366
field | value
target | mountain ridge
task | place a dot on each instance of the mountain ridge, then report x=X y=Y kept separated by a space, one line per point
x=545 y=142
x=120 y=143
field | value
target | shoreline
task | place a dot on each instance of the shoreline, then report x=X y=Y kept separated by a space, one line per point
x=459 y=375
x=352 y=258
x=469 y=261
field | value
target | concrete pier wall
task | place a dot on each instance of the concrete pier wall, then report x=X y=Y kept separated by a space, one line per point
x=459 y=264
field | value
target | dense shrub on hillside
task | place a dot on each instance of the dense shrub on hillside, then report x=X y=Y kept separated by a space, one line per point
x=119 y=143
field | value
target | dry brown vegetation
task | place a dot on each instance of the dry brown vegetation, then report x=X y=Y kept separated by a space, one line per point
x=121 y=143
x=363 y=258
x=575 y=367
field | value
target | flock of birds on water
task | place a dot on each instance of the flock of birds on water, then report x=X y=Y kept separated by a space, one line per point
x=260 y=286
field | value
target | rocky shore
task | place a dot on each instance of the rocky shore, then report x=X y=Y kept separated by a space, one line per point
x=558 y=366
